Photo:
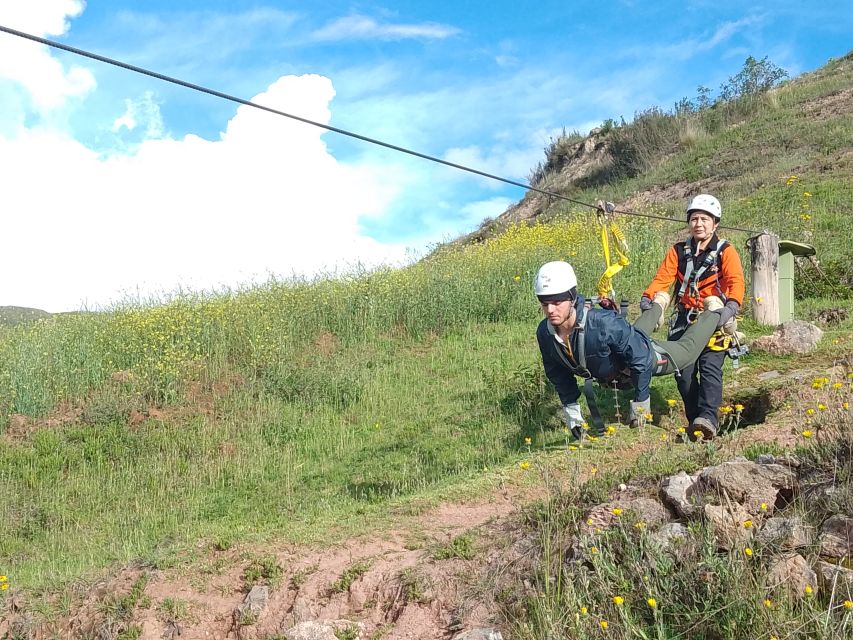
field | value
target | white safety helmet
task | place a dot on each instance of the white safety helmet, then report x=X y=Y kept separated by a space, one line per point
x=555 y=282
x=707 y=203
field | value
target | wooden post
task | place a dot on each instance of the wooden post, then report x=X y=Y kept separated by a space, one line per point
x=764 y=251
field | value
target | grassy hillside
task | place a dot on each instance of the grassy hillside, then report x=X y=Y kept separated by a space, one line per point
x=17 y=315
x=778 y=160
x=308 y=411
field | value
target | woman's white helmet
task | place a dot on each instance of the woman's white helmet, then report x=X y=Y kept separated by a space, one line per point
x=555 y=282
x=707 y=203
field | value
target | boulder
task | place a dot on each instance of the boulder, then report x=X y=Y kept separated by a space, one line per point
x=749 y=484
x=670 y=536
x=835 y=578
x=678 y=493
x=836 y=538
x=793 y=574
x=728 y=522
x=785 y=533
x=795 y=336
x=646 y=510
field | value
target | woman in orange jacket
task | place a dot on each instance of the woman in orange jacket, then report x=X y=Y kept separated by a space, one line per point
x=703 y=267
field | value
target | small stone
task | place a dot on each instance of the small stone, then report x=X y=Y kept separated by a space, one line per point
x=768 y=375
x=479 y=634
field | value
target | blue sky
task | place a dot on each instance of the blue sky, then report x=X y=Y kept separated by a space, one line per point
x=133 y=160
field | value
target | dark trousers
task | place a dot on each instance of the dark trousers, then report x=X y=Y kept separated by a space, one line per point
x=701 y=384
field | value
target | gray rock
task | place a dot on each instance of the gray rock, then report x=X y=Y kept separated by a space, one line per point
x=793 y=574
x=321 y=629
x=479 y=634
x=795 y=336
x=678 y=492
x=768 y=375
x=835 y=577
x=836 y=537
x=670 y=536
x=785 y=533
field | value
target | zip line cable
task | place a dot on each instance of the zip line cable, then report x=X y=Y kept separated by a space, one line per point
x=343 y=132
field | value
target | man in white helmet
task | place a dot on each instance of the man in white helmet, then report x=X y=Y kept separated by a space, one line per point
x=599 y=344
x=707 y=273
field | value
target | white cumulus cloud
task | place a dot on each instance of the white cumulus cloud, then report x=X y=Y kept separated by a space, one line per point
x=47 y=82
x=265 y=199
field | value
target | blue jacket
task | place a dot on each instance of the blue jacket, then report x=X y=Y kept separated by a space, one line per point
x=613 y=348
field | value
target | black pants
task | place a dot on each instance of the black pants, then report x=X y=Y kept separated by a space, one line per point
x=701 y=384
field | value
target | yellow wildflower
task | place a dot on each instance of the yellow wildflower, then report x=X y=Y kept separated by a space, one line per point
x=603 y=624
x=848 y=604
x=837 y=385
x=809 y=412
x=739 y=408
x=4 y=586
x=671 y=402
x=725 y=410
x=652 y=603
x=517 y=278
x=527 y=441
x=618 y=601
x=617 y=511
x=584 y=610
x=524 y=465
x=747 y=524
x=697 y=434
x=649 y=417
x=748 y=552
x=768 y=603
x=845 y=405
x=764 y=506
x=573 y=447
x=808 y=590
x=593 y=550
x=682 y=430
x=640 y=525
x=808 y=433
x=611 y=430
x=821 y=406
x=663 y=437
x=593 y=471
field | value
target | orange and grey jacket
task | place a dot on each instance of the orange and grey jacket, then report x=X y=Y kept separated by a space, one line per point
x=721 y=276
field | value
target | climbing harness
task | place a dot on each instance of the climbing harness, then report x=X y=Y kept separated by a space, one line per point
x=605 y=211
x=681 y=318
x=693 y=277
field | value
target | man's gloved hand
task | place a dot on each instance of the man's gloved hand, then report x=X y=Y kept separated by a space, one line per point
x=574 y=419
x=728 y=312
x=645 y=303
x=639 y=411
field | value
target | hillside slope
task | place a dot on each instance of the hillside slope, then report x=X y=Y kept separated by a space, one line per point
x=760 y=154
